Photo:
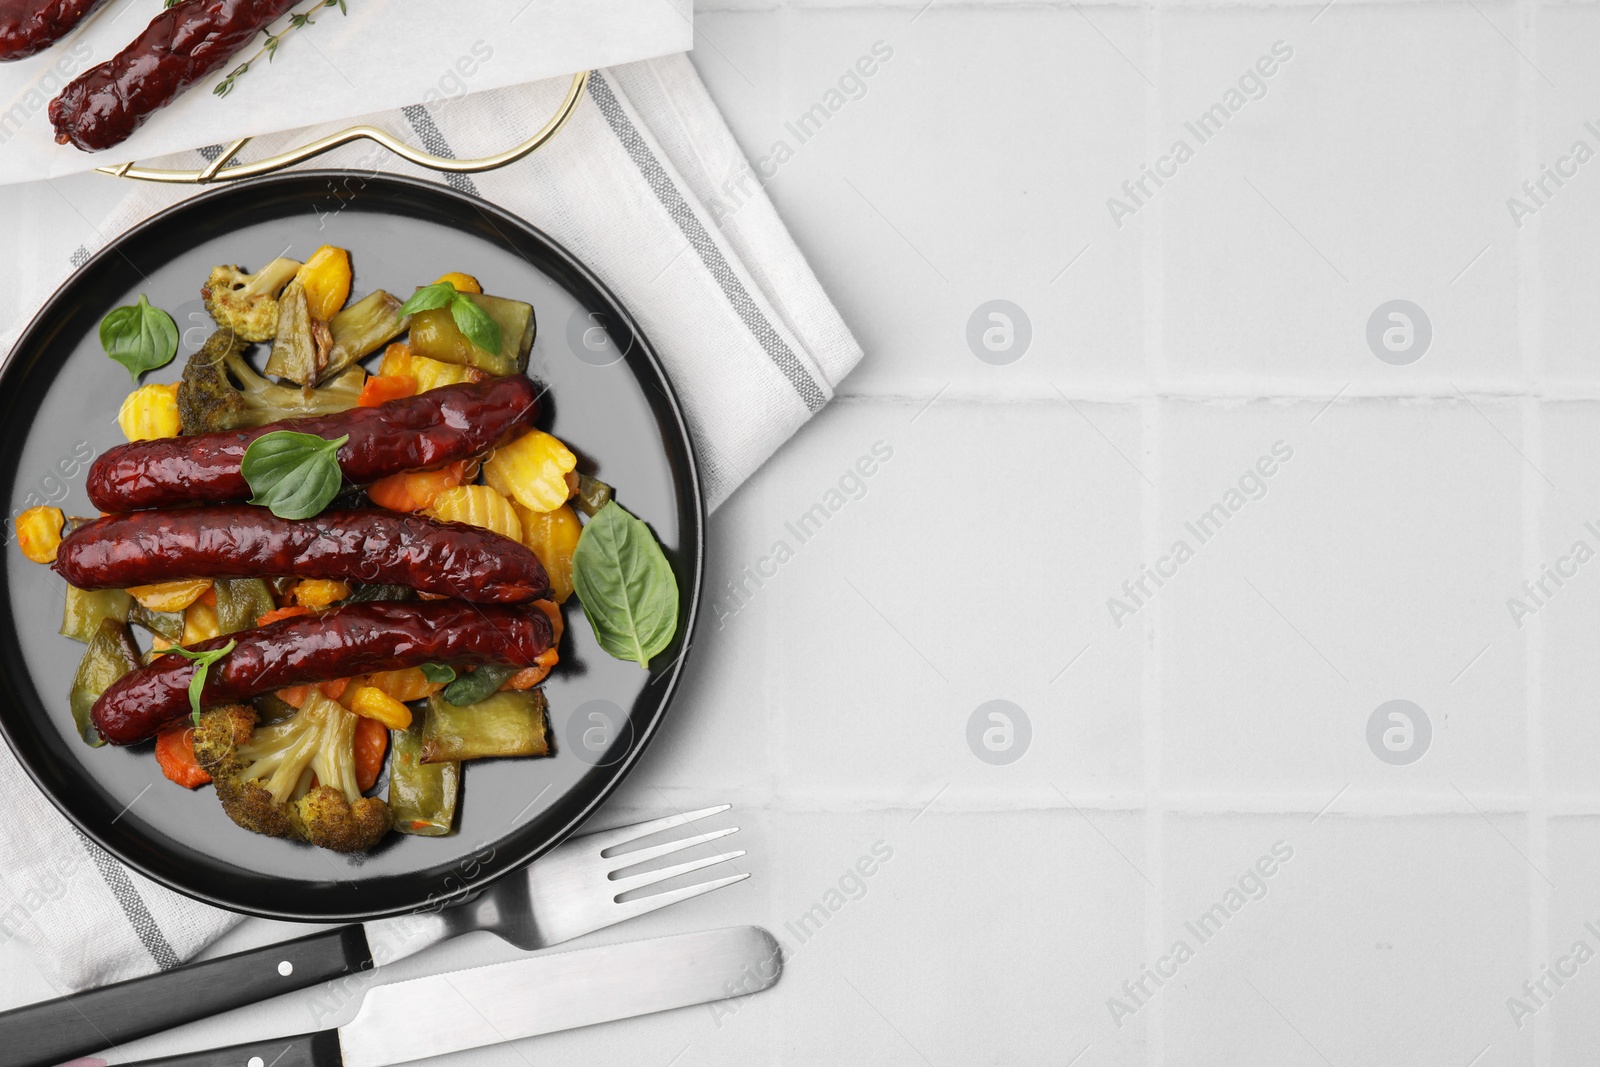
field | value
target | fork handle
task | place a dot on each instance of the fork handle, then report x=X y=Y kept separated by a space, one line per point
x=53 y=1031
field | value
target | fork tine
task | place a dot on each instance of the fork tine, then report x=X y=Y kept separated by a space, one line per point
x=645 y=905
x=666 y=848
x=639 y=881
x=621 y=835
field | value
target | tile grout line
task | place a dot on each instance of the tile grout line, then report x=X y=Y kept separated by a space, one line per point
x=1537 y=820
x=1150 y=507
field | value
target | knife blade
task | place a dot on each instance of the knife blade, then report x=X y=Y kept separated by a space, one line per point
x=522 y=998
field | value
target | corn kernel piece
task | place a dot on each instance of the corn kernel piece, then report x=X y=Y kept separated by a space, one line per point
x=477 y=505
x=39 y=533
x=200 y=623
x=464 y=283
x=319 y=592
x=149 y=412
x=373 y=703
x=532 y=470
x=171 y=596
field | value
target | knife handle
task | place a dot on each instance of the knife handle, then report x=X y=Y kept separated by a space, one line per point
x=53 y=1031
x=319 y=1049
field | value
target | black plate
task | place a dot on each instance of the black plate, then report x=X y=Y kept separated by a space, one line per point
x=59 y=397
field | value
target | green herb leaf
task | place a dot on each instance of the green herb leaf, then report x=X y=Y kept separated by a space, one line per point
x=627 y=587
x=139 y=337
x=294 y=474
x=427 y=298
x=438 y=673
x=202 y=665
x=475 y=322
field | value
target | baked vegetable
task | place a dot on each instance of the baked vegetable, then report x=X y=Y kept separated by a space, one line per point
x=300 y=345
x=532 y=470
x=150 y=411
x=436 y=335
x=263 y=774
x=111 y=655
x=504 y=724
x=39 y=533
x=240 y=602
x=422 y=796
x=247 y=304
x=326 y=277
x=80 y=619
x=220 y=391
x=363 y=328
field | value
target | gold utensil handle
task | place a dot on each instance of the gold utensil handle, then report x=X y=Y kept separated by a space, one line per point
x=219 y=171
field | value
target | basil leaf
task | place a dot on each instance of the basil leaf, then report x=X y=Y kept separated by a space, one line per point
x=294 y=474
x=438 y=673
x=202 y=666
x=627 y=587
x=140 y=337
x=427 y=298
x=475 y=322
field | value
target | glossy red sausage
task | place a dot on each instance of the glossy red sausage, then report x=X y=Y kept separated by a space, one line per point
x=414 y=433
x=315 y=648
x=29 y=26
x=102 y=106
x=356 y=544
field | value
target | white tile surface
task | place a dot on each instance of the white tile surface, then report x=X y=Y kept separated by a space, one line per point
x=832 y=702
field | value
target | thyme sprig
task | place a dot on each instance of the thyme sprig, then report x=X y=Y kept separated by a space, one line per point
x=269 y=47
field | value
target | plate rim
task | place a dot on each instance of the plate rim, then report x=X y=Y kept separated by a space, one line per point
x=492 y=871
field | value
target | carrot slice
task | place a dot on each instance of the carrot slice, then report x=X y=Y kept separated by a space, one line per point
x=277 y=614
x=334 y=688
x=424 y=486
x=528 y=677
x=371 y=742
x=391 y=493
x=382 y=388
x=294 y=696
x=175 y=754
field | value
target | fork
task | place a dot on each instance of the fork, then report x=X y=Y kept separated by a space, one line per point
x=574 y=889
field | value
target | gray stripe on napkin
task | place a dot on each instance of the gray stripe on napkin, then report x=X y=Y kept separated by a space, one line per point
x=434 y=142
x=80 y=256
x=133 y=905
x=673 y=200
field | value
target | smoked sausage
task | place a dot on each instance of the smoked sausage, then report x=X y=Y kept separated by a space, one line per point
x=101 y=107
x=30 y=26
x=419 y=432
x=371 y=545
x=351 y=640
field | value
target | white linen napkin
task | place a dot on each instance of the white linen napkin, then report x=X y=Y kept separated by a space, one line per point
x=635 y=187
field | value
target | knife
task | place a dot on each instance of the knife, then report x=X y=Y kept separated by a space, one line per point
x=570 y=891
x=522 y=998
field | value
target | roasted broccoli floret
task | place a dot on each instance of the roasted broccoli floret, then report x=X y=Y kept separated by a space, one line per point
x=263 y=774
x=247 y=304
x=221 y=391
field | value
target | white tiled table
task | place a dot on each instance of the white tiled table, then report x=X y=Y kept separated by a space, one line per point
x=1227 y=717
